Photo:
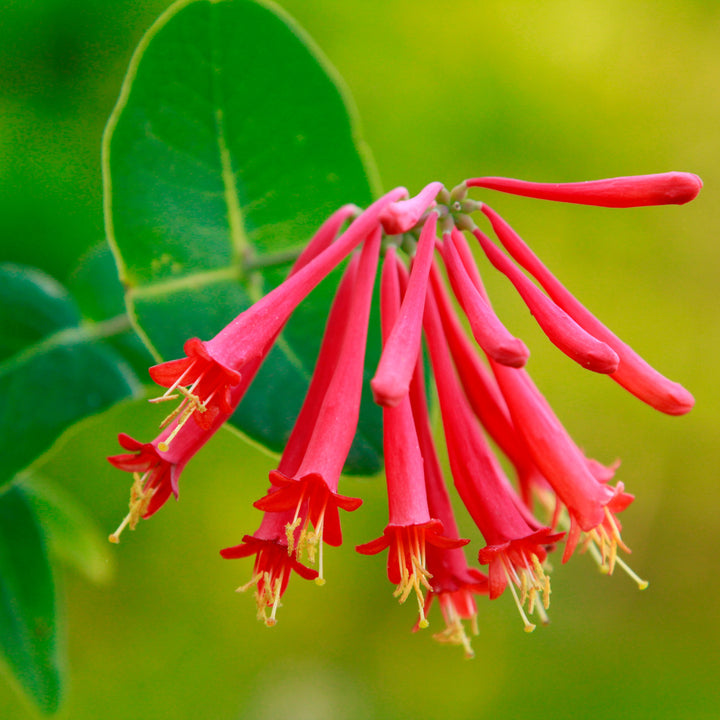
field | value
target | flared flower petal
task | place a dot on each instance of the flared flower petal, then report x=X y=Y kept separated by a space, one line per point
x=274 y=563
x=155 y=479
x=407 y=564
x=311 y=493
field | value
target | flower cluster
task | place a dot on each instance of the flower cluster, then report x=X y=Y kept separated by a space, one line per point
x=557 y=497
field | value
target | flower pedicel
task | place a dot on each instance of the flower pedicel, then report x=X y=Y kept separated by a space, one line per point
x=483 y=388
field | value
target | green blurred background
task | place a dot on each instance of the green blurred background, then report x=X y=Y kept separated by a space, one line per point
x=557 y=90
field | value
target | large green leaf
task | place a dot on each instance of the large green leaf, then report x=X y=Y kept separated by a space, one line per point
x=55 y=368
x=28 y=618
x=231 y=142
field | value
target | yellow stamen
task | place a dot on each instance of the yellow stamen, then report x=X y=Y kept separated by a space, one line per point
x=139 y=502
x=529 y=627
x=642 y=584
x=411 y=579
x=309 y=542
x=290 y=534
x=267 y=594
x=607 y=569
x=454 y=632
x=534 y=584
x=270 y=621
x=320 y=580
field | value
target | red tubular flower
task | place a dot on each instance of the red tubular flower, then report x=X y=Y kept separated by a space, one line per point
x=155 y=478
x=311 y=490
x=276 y=544
x=672 y=188
x=591 y=503
x=489 y=333
x=410 y=529
x=400 y=350
x=559 y=327
x=485 y=397
x=633 y=373
x=211 y=368
x=516 y=547
x=273 y=563
x=453 y=582
x=157 y=466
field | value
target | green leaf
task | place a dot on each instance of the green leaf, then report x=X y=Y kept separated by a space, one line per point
x=231 y=142
x=99 y=294
x=28 y=617
x=55 y=369
x=71 y=533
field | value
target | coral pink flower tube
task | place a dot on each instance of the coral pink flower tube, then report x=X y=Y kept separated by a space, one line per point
x=453 y=582
x=248 y=334
x=484 y=395
x=560 y=328
x=489 y=333
x=591 y=503
x=410 y=528
x=313 y=485
x=671 y=188
x=402 y=345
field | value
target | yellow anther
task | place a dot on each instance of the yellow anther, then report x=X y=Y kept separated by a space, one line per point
x=454 y=633
x=534 y=584
x=290 y=534
x=139 y=503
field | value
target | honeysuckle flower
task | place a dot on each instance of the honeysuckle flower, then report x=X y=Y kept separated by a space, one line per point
x=516 y=545
x=453 y=582
x=156 y=467
x=493 y=396
x=485 y=397
x=591 y=503
x=410 y=529
x=210 y=369
x=311 y=490
x=633 y=373
x=276 y=544
x=274 y=563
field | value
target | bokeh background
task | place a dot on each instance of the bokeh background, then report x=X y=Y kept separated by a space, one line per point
x=558 y=90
